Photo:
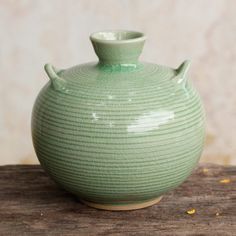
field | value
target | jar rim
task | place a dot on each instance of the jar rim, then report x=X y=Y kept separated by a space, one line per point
x=117 y=36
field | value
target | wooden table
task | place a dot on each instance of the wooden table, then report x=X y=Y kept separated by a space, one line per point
x=31 y=204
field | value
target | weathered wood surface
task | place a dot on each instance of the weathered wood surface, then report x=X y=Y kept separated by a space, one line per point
x=31 y=204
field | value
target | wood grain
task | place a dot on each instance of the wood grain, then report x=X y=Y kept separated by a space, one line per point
x=31 y=204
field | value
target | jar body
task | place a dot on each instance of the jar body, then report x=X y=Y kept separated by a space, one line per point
x=123 y=137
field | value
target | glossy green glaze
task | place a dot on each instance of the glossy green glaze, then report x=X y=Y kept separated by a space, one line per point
x=118 y=131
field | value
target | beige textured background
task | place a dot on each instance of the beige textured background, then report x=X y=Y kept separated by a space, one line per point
x=33 y=32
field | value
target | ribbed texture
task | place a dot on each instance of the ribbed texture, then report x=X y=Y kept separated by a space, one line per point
x=118 y=137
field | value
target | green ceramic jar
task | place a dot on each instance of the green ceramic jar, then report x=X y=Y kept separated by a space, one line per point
x=118 y=133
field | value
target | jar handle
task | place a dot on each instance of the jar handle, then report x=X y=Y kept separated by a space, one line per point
x=57 y=82
x=181 y=72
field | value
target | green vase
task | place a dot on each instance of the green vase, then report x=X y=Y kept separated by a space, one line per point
x=118 y=133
